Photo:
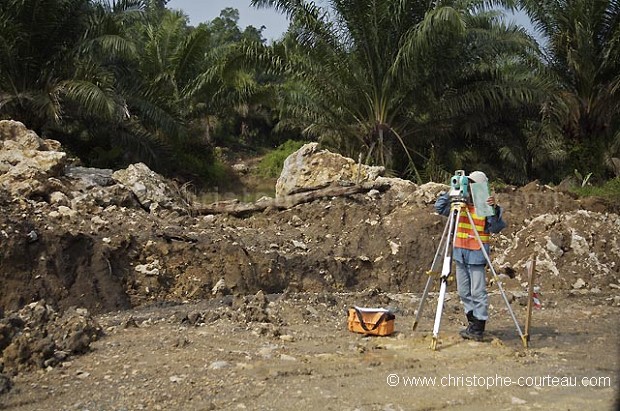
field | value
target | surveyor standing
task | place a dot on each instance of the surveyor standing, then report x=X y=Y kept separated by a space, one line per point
x=469 y=258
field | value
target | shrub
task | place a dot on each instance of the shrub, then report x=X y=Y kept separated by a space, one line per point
x=610 y=189
x=271 y=165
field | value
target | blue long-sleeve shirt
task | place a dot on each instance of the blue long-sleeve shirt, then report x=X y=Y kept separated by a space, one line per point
x=493 y=224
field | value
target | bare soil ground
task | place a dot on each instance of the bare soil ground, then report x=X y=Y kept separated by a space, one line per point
x=292 y=351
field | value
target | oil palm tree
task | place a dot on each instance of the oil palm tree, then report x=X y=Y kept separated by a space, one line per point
x=60 y=72
x=582 y=56
x=50 y=64
x=390 y=77
x=36 y=43
x=493 y=103
x=70 y=69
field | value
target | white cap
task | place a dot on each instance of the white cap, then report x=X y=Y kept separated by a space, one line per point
x=478 y=177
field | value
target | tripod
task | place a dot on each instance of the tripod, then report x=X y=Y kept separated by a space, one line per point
x=446 y=243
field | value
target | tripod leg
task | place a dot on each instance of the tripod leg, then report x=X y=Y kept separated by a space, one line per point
x=442 y=296
x=495 y=276
x=430 y=277
x=445 y=272
x=418 y=315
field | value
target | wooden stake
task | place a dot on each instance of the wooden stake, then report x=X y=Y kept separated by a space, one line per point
x=531 y=271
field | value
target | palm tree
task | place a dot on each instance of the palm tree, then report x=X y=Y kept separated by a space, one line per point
x=60 y=68
x=170 y=56
x=36 y=42
x=582 y=55
x=378 y=75
x=50 y=60
x=486 y=96
x=239 y=94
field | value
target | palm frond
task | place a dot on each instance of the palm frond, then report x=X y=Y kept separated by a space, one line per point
x=94 y=100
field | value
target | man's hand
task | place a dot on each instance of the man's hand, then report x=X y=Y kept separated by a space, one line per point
x=491 y=201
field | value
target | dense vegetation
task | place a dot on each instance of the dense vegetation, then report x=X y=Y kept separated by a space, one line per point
x=420 y=87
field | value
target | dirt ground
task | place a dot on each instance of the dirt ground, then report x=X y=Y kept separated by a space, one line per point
x=107 y=306
x=213 y=355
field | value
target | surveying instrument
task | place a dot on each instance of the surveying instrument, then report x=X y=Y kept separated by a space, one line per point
x=458 y=195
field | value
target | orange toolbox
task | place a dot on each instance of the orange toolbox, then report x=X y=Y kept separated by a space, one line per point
x=370 y=321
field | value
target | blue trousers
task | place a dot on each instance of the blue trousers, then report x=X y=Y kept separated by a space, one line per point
x=471 y=285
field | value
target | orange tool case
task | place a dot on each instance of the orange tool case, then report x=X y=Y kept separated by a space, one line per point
x=370 y=321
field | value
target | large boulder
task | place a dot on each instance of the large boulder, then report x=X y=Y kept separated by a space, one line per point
x=310 y=168
x=151 y=189
x=26 y=160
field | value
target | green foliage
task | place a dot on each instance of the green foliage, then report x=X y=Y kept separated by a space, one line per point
x=38 y=44
x=420 y=87
x=208 y=171
x=389 y=78
x=609 y=190
x=225 y=29
x=272 y=162
x=582 y=64
x=583 y=180
x=66 y=72
x=120 y=82
x=433 y=169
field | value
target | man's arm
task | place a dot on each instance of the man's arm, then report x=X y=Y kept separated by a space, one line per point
x=496 y=223
x=442 y=205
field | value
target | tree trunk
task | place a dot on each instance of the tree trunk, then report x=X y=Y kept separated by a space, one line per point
x=237 y=208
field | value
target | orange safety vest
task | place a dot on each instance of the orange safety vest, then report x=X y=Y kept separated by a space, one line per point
x=465 y=236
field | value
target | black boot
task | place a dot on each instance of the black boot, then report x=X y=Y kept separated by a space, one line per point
x=470 y=321
x=480 y=328
x=476 y=331
x=470 y=317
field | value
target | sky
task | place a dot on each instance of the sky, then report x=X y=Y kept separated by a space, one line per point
x=275 y=23
x=206 y=10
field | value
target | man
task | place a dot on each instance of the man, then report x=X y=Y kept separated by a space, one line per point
x=469 y=258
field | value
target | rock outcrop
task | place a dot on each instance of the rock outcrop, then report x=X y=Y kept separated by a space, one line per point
x=310 y=168
x=151 y=190
x=27 y=162
x=36 y=168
